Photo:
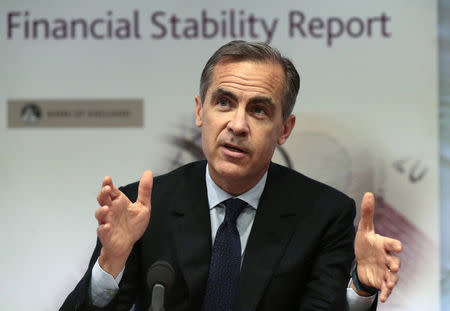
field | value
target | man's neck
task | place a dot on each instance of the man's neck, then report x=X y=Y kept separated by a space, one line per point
x=216 y=194
x=235 y=186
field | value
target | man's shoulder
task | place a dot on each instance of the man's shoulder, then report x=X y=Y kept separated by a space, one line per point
x=191 y=169
x=186 y=174
x=183 y=175
x=295 y=184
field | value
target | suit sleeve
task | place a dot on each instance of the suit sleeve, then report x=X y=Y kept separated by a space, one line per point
x=326 y=288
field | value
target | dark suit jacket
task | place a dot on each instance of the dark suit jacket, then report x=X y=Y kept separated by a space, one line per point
x=298 y=255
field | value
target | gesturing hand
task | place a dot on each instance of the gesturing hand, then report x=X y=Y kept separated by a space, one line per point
x=120 y=222
x=377 y=266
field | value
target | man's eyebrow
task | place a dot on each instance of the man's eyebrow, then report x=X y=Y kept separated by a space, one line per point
x=221 y=92
x=265 y=100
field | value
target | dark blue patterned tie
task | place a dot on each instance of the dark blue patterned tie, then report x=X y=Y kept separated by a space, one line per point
x=224 y=270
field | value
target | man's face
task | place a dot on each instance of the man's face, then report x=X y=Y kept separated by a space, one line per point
x=241 y=120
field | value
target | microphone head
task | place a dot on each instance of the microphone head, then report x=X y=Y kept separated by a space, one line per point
x=161 y=272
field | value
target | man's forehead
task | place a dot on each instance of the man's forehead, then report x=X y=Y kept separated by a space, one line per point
x=267 y=71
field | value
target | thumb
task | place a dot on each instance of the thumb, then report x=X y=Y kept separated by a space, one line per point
x=367 y=212
x=145 y=188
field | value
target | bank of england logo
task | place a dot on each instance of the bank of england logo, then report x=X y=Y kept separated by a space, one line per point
x=31 y=114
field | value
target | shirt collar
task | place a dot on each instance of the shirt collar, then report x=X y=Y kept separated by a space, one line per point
x=216 y=195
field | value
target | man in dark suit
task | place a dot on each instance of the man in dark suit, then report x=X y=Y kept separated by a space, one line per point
x=295 y=235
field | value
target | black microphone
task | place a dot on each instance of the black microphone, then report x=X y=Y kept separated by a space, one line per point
x=160 y=279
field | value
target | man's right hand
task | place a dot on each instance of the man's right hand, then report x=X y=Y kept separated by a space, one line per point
x=120 y=222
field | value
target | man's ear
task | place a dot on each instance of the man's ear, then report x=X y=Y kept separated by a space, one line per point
x=288 y=125
x=198 y=111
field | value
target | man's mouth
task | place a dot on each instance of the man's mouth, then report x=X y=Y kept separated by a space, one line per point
x=234 y=148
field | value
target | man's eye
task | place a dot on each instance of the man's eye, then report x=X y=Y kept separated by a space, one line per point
x=259 y=110
x=223 y=103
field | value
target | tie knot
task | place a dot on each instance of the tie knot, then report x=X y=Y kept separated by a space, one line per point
x=233 y=207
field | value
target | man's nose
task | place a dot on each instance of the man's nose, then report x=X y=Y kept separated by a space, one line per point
x=238 y=123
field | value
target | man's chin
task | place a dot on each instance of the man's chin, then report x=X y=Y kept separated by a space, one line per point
x=228 y=170
x=234 y=172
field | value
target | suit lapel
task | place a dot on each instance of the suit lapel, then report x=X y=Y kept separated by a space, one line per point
x=192 y=232
x=273 y=226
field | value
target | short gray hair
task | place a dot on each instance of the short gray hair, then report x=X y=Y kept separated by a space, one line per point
x=256 y=51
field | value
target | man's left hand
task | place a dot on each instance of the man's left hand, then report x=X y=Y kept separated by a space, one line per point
x=377 y=265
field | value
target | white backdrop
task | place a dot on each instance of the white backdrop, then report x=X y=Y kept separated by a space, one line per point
x=367 y=120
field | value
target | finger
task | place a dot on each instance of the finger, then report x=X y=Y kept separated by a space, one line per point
x=392 y=245
x=115 y=192
x=391 y=279
x=394 y=263
x=104 y=196
x=107 y=180
x=385 y=292
x=367 y=212
x=101 y=214
x=103 y=231
x=145 y=188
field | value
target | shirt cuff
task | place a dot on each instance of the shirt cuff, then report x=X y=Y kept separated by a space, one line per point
x=357 y=302
x=103 y=286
